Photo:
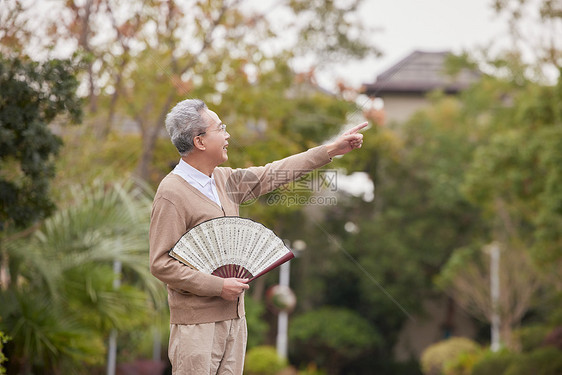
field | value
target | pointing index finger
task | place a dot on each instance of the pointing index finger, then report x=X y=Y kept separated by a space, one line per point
x=355 y=129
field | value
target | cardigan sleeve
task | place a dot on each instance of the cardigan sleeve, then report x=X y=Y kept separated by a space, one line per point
x=250 y=183
x=166 y=227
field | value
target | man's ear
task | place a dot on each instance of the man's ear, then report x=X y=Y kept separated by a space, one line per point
x=198 y=143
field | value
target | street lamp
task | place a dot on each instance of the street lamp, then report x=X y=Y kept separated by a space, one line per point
x=494 y=250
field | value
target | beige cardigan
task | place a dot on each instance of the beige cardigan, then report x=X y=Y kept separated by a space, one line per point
x=193 y=296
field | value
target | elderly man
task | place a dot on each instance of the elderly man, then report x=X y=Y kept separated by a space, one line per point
x=207 y=324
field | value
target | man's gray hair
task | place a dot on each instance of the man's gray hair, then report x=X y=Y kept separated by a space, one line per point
x=184 y=122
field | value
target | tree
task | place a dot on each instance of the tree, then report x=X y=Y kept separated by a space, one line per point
x=15 y=30
x=466 y=278
x=515 y=122
x=541 y=44
x=145 y=56
x=514 y=176
x=33 y=95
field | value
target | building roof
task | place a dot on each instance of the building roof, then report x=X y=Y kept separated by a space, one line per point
x=419 y=73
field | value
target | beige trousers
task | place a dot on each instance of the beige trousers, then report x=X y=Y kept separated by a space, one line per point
x=211 y=348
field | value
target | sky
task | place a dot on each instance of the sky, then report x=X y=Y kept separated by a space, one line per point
x=403 y=26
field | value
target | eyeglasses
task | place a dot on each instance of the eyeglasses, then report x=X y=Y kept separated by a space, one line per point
x=221 y=128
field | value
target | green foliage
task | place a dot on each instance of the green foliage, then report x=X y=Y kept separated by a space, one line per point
x=435 y=358
x=107 y=159
x=263 y=360
x=420 y=192
x=417 y=218
x=65 y=302
x=515 y=173
x=33 y=95
x=332 y=336
x=328 y=31
x=138 y=343
x=554 y=338
x=311 y=369
x=3 y=340
x=462 y=364
x=543 y=361
x=257 y=326
x=531 y=337
x=44 y=336
x=517 y=124
x=465 y=277
x=472 y=257
x=494 y=363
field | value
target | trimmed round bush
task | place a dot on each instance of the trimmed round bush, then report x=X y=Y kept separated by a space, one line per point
x=435 y=357
x=263 y=360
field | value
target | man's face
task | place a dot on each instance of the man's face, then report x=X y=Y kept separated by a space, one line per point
x=215 y=138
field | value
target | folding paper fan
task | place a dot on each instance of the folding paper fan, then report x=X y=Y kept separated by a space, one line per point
x=231 y=246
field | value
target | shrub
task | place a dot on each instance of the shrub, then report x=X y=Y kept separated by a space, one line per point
x=332 y=337
x=3 y=339
x=493 y=363
x=543 y=361
x=257 y=326
x=263 y=360
x=531 y=337
x=435 y=357
x=462 y=364
x=554 y=338
x=311 y=369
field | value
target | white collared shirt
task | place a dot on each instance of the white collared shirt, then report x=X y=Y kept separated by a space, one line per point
x=199 y=180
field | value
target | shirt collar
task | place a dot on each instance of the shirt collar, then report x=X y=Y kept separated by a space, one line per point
x=194 y=174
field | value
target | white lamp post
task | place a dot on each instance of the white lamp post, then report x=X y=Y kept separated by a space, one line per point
x=112 y=350
x=283 y=316
x=495 y=295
